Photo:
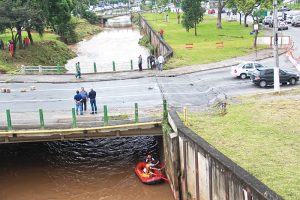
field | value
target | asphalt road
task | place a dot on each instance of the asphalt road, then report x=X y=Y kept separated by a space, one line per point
x=198 y=89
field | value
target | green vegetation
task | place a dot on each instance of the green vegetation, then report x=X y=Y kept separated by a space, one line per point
x=262 y=134
x=84 y=29
x=47 y=50
x=119 y=117
x=237 y=40
x=44 y=52
x=145 y=41
x=293 y=6
x=193 y=14
x=80 y=28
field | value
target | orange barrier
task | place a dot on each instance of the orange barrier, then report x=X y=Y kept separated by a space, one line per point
x=219 y=45
x=189 y=46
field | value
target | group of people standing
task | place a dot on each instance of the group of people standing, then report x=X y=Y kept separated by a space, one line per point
x=155 y=63
x=10 y=43
x=81 y=98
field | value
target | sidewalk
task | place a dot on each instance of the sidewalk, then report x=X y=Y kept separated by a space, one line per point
x=70 y=78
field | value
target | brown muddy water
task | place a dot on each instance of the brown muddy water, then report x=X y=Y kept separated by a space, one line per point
x=101 y=169
x=112 y=44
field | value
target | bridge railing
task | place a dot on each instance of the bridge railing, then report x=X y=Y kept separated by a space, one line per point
x=109 y=66
x=43 y=69
x=106 y=116
x=88 y=67
x=162 y=47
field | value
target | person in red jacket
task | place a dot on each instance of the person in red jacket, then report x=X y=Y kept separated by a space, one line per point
x=26 y=42
x=11 y=49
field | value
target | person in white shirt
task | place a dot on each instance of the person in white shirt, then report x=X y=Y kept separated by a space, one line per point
x=161 y=61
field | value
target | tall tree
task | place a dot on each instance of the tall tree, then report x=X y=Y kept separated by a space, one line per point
x=193 y=14
x=221 y=5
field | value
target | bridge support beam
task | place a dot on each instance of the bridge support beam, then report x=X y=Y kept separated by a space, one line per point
x=126 y=130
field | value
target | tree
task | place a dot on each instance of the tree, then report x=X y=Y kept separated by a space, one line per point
x=193 y=14
x=20 y=15
x=232 y=5
x=80 y=8
x=246 y=7
x=221 y=5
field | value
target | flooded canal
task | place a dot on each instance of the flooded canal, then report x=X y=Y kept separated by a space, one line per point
x=101 y=169
x=112 y=44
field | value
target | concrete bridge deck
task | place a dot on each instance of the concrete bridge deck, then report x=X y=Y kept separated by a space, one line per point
x=124 y=130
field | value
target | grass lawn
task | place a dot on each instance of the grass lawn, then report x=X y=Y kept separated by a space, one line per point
x=293 y=6
x=237 y=40
x=262 y=134
x=46 y=36
x=84 y=28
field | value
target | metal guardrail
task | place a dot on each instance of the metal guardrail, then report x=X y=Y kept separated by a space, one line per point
x=162 y=47
x=107 y=116
x=87 y=68
x=43 y=69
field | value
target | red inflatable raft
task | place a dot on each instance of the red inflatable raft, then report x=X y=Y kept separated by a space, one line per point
x=150 y=179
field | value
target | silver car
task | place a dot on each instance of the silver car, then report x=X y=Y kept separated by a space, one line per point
x=296 y=20
x=267 y=20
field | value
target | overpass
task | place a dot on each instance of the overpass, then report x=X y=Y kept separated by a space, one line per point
x=104 y=16
x=124 y=130
x=51 y=126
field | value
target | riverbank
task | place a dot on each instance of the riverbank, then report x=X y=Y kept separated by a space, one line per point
x=261 y=134
x=236 y=39
x=47 y=50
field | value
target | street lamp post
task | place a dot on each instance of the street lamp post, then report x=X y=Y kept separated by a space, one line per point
x=275 y=35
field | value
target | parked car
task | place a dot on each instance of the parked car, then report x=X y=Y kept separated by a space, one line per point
x=267 y=20
x=284 y=8
x=245 y=69
x=211 y=11
x=296 y=20
x=282 y=25
x=289 y=19
x=265 y=76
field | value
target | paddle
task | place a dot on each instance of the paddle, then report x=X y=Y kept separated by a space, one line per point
x=162 y=177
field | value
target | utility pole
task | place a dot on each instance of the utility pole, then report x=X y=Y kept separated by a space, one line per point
x=276 y=58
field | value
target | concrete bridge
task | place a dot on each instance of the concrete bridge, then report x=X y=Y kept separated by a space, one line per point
x=50 y=126
x=104 y=16
x=124 y=130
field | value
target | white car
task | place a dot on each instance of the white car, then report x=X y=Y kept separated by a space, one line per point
x=245 y=69
x=289 y=19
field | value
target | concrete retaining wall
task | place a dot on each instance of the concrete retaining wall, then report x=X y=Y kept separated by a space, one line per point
x=199 y=171
x=162 y=48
